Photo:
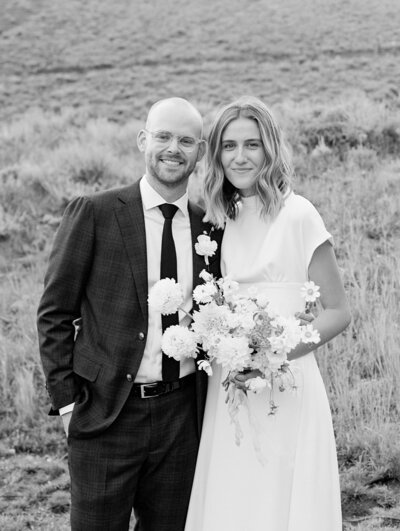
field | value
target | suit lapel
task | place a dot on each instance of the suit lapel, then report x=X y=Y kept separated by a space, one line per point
x=130 y=219
x=197 y=227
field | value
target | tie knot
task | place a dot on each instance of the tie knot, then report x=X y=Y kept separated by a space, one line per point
x=168 y=210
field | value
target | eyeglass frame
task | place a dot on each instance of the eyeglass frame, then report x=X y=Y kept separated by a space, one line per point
x=197 y=141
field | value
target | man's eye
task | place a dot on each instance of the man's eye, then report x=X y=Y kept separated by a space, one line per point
x=163 y=137
x=187 y=141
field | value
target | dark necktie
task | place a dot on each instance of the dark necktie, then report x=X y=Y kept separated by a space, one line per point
x=170 y=367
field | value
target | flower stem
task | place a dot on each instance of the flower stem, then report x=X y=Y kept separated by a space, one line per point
x=185 y=312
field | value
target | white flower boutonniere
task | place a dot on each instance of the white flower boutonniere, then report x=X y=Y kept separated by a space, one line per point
x=205 y=246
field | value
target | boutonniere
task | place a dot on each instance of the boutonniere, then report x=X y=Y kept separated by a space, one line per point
x=205 y=246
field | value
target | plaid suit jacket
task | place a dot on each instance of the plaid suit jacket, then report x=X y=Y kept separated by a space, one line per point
x=98 y=271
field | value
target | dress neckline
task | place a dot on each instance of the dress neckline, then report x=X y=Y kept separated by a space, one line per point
x=253 y=202
x=250 y=202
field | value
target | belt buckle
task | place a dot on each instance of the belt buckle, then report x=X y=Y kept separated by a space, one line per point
x=143 y=390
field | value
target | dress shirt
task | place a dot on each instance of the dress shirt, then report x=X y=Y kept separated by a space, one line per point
x=150 y=366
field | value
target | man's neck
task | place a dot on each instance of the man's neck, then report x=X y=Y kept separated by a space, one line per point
x=169 y=193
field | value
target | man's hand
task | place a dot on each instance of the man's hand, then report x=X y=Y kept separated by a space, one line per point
x=66 y=420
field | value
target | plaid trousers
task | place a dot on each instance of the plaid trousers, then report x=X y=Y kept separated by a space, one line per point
x=145 y=460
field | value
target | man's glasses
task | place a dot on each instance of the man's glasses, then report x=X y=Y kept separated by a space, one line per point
x=185 y=143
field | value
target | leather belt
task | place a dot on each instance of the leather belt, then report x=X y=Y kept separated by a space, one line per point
x=151 y=390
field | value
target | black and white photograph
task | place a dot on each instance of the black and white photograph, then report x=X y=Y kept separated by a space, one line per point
x=199 y=265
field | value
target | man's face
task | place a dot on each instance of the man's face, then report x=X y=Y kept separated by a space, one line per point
x=170 y=161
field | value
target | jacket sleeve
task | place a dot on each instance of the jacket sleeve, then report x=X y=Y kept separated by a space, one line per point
x=64 y=286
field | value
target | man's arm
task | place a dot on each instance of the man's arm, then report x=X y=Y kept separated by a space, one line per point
x=69 y=266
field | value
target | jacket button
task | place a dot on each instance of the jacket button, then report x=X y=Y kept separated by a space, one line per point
x=129 y=377
x=141 y=336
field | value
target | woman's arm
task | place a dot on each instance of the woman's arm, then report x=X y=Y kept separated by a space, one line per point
x=335 y=317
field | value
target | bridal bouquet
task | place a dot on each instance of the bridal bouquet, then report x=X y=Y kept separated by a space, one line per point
x=241 y=333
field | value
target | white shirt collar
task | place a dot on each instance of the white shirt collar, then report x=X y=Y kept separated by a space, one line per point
x=152 y=199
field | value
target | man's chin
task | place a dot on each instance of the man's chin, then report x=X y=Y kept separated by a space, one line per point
x=172 y=175
x=169 y=179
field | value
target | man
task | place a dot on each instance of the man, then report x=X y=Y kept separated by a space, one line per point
x=133 y=420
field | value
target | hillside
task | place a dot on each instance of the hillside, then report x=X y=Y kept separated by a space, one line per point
x=118 y=57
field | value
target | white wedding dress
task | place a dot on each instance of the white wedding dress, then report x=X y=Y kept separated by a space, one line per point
x=284 y=475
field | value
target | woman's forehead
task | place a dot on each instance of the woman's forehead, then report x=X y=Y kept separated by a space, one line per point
x=241 y=127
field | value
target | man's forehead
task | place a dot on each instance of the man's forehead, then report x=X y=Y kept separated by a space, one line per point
x=175 y=117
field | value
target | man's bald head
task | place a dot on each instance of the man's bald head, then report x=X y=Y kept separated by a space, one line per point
x=169 y=160
x=182 y=110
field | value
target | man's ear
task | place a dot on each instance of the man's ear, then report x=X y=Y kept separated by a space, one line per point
x=202 y=150
x=141 y=140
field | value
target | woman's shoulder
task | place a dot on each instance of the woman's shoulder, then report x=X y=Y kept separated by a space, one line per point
x=297 y=206
x=302 y=217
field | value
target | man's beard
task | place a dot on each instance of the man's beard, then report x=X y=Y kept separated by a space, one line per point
x=159 y=171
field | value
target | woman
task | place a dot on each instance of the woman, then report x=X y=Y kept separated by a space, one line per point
x=283 y=476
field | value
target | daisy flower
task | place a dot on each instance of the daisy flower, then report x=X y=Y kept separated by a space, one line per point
x=310 y=291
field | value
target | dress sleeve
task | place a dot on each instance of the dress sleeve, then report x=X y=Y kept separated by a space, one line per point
x=313 y=231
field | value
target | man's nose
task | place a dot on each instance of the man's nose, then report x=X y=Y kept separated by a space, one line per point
x=173 y=145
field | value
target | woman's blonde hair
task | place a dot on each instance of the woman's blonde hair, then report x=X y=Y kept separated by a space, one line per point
x=274 y=179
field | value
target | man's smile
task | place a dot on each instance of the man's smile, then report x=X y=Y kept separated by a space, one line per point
x=171 y=161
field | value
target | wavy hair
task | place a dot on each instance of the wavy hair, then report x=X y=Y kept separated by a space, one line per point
x=274 y=179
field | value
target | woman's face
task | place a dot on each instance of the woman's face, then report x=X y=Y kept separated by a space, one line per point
x=242 y=154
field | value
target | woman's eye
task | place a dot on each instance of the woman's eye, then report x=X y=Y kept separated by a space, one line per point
x=228 y=146
x=253 y=145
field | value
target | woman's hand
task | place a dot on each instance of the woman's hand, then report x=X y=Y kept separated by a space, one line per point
x=240 y=378
x=305 y=318
x=335 y=314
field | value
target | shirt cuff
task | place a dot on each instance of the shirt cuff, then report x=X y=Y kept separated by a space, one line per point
x=66 y=409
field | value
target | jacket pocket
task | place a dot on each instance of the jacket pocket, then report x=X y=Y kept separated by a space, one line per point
x=86 y=368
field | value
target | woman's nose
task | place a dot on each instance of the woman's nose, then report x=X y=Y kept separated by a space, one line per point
x=240 y=155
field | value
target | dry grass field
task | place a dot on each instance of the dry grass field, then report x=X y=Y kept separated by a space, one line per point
x=77 y=79
x=117 y=57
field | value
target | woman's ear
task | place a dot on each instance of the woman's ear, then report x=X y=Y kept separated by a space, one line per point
x=141 y=140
